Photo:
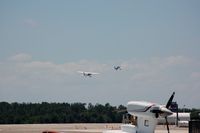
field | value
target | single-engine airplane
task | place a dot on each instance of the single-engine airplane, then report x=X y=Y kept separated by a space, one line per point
x=117 y=68
x=87 y=74
x=143 y=116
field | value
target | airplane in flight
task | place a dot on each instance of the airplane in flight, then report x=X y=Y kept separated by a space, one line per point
x=143 y=116
x=87 y=74
x=117 y=68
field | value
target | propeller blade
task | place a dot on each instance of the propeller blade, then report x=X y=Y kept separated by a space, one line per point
x=167 y=124
x=170 y=100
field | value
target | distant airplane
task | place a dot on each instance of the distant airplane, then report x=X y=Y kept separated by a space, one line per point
x=87 y=74
x=117 y=68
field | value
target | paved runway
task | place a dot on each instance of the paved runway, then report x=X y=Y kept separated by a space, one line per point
x=75 y=128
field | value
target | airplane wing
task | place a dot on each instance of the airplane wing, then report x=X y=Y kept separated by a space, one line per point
x=87 y=72
x=93 y=73
x=80 y=71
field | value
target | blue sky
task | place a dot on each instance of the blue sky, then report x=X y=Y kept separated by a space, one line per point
x=44 y=43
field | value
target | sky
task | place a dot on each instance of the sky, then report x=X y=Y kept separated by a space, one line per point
x=44 y=43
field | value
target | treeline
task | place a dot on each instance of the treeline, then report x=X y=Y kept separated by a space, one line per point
x=32 y=113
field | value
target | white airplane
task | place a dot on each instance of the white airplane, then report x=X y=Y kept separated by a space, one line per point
x=117 y=68
x=87 y=74
x=172 y=119
x=144 y=116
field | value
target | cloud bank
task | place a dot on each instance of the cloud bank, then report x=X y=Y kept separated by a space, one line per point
x=23 y=79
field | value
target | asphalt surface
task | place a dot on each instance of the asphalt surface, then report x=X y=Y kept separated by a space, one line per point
x=75 y=128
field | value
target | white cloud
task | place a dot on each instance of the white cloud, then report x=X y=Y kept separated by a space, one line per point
x=176 y=60
x=195 y=75
x=30 y=23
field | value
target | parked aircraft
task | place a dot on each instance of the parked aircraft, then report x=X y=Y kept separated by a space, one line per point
x=183 y=119
x=87 y=74
x=144 y=116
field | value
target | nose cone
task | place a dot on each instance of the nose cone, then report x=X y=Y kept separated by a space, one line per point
x=166 y=111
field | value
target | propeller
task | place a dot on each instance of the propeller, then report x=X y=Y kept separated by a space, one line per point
x=167 y=124
x=167 y=106
x=170 y=100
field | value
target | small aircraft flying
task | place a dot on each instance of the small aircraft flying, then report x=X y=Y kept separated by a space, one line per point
x=87 y=74
x=117 y=68
x=143 y=116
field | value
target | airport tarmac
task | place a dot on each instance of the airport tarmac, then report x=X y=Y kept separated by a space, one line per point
x=75 y=128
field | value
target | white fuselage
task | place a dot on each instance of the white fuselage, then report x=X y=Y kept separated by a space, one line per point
x=144 y=116
x=144 y=120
